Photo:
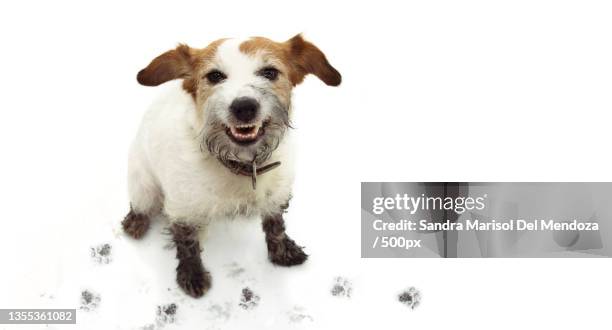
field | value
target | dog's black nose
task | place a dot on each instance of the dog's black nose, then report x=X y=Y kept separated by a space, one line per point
x=244 y=109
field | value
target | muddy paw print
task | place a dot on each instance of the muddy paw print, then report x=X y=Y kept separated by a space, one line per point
x=220 y=312
x=342 y=287
x=248 y=299
x=166 y=314
x=101 y=253
x=410 y=297
x=234 y=270
x=89 y=301
x=298 y=315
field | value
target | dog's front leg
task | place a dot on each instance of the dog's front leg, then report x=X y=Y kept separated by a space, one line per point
x=282 y=250
x=191 y=275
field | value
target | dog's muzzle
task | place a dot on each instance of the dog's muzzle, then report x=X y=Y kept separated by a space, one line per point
x=245 y=129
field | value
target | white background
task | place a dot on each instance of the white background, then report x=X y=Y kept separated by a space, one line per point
x=432 y=91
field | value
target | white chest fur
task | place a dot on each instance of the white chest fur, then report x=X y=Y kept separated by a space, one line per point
x=169 y=170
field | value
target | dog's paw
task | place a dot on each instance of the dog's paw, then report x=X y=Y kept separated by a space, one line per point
x=193 y=278
x=135 y=224
x=287 y=254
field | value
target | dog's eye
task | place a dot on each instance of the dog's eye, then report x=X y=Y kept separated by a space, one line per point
x=215 y=76
x=269 y=73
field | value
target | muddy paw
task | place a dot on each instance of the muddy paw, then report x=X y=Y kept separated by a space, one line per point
x=192 y=277
x=135 y=224
x=288 y=254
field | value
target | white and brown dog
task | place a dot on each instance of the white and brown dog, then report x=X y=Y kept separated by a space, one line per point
x=212 y=147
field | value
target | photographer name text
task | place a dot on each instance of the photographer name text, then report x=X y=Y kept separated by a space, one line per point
x=480 y=225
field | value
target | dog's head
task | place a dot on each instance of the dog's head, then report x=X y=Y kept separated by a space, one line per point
x=241 y=89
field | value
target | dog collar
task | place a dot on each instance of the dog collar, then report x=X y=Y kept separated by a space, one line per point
x=247 y=169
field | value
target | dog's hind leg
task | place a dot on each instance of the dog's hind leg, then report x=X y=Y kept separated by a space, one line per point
x=282 y=250
x=191 y=275
x=136 y=224
x=145 y=198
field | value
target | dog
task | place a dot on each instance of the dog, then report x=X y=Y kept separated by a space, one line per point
x=217 y=146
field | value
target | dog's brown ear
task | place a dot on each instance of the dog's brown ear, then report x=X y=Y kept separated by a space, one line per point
x=307 y=58
x=173 y=64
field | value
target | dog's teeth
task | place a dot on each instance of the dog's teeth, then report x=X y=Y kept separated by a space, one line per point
x=251 y=135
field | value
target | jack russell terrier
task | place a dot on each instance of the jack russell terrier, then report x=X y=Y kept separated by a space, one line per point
x=216 y=146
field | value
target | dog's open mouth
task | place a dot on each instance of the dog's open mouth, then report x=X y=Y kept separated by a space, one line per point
x=245 y=133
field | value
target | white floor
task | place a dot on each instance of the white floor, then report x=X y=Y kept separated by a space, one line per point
x=136 y=277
